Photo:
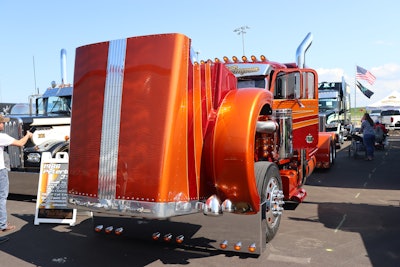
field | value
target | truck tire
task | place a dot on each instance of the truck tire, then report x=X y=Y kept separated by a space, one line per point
x=269 y=186
x=332 y=154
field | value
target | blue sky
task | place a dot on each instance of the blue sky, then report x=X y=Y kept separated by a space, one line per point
x=346 y=33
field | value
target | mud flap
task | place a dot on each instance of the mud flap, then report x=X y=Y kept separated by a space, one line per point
x=199 y=232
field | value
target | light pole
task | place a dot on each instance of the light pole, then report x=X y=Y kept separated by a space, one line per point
x=242 y=31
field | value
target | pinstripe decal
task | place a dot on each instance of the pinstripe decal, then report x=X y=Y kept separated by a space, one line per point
x=111 y=119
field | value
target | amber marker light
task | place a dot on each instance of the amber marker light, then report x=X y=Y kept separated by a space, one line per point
x=167 y=237
x=253 y=58
x=156 y=236
x=252 y=248
x=98 y=228
x=119 y=231
x=238 y=246
x=263 y=58
x=109 y=229
x=244 y=58
x=226 y=59
x=223 y=244
x=216 y=60
x=235 y=59
x=179 y=239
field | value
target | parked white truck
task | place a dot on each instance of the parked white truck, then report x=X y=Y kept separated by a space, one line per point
x=50 y=123
x=391 y=119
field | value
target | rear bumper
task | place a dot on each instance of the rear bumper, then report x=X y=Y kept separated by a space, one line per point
x=23 y=183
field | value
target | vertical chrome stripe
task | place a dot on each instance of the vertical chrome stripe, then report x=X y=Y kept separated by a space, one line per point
x=111 y=119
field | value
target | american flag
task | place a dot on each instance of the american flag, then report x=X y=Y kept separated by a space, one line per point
x=365 y=75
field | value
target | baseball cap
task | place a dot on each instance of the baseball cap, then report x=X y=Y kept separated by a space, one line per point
x=4 y=119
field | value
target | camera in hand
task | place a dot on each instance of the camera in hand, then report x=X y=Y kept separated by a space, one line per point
x=33 y=129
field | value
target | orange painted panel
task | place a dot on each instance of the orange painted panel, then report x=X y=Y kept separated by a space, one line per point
x=86 y=121
x=153 y=150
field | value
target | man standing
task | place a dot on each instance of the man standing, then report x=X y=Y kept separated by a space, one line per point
x=6 y=140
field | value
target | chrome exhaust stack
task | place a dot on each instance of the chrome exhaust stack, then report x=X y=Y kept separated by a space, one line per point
x=302 y=49
x=63 y=66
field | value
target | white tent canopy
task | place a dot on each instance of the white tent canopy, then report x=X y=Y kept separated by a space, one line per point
x=392 y=101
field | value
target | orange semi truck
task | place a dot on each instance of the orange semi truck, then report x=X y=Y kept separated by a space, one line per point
x=158 y=140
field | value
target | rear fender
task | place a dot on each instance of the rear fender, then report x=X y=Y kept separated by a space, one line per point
x=325 y=141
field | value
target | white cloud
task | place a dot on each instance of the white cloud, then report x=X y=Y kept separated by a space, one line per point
x=330 y=75
x=390 y=71
x=384 y=43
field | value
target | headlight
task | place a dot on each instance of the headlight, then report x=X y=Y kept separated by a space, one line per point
x=33 y=157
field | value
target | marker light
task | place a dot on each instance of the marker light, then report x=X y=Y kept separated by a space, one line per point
x=263 y=58
x=119 y=231
x=226 y=59
x=179 y=239
x=216 y=60
x=238 y=246
x=109 y=229
x=98 y=228
x=223 y=244
x=253 y=58
x=252 y=247
x=156 y=236
x=235 y=59
x=167 y=237
x=244 y=58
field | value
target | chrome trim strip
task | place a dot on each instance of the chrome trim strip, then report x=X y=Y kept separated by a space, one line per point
x=111 y=119
x=135 y=208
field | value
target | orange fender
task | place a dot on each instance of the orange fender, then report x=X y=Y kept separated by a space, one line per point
x=233 y=146
x=325 y=153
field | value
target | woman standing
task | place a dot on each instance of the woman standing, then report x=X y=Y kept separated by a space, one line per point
x=367 y=129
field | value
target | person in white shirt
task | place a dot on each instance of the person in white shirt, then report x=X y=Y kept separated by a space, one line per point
x=6 y=140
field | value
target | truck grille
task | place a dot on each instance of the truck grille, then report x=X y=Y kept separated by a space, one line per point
x=14 y=128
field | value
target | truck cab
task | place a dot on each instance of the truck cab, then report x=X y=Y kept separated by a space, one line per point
x=334 y=109
x=50 y=124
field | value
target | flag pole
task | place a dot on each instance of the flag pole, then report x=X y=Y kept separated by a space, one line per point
x=355 y=87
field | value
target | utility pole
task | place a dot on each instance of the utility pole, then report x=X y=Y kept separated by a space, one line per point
x=242 y=31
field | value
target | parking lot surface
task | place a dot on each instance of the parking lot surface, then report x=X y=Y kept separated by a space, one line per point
x=350 y=217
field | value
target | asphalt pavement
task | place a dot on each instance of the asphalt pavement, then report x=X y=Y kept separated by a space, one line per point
x=350 y=217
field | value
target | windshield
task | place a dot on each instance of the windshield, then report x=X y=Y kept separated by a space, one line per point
x=54 y=105
x=59 y=105
x=251 y=82
x=328 y=103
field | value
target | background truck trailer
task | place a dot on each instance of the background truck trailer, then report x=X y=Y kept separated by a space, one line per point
x=50 y=117
x=171 y=138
